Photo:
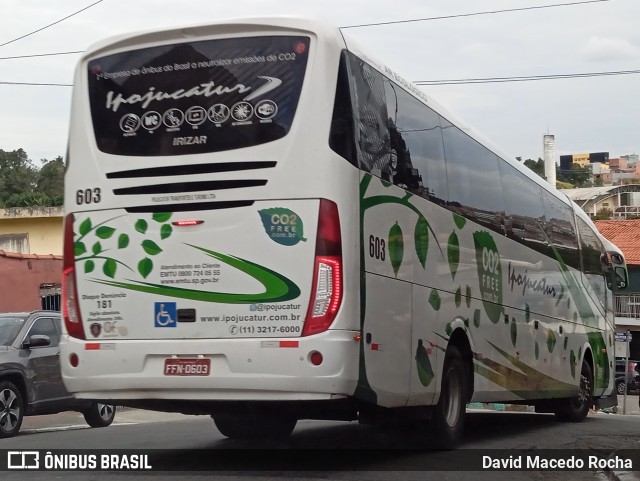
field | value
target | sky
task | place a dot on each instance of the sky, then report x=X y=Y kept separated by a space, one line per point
x=454 y=40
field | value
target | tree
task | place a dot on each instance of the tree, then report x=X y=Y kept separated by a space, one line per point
x=536 y=166
x=23 y=185
x=51 y=180
x=578 y=175
x=603 y=214
x=17 y=174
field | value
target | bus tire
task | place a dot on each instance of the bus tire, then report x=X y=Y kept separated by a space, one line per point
x=253 y=426
x=577 y=408
x=449 y=416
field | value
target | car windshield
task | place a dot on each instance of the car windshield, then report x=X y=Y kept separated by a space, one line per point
x=9 y=329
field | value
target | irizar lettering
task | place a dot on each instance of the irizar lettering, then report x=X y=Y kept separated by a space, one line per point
x=201 y=139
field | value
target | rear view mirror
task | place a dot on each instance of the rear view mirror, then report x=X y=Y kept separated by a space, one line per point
x=620 y=274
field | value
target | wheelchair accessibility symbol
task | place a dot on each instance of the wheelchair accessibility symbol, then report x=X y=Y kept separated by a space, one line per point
x=165 y=314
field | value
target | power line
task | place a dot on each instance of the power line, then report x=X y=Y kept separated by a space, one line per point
x=444 y=17
x=50 y=25
x=489 y=12
x=41 y=55
x=31 y=84
x=523 y=79
x=447 y=81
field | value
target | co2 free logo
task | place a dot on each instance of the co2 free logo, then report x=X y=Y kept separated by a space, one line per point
x=489 y=274
x=282 y=225
x=23 y=460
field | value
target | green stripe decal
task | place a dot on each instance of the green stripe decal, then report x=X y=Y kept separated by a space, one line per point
x=277 y=288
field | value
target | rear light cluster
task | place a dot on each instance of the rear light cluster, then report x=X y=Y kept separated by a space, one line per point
x=326 y=294
x=70 y=305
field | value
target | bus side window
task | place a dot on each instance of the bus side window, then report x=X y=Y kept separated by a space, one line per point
x=370 y=114
x=341 y=134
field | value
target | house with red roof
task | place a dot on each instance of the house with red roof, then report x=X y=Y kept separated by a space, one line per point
x=626 y=235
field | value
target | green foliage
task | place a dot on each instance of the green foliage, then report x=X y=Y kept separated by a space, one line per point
x=24 y=185
x=536 y=166
x=603 y=214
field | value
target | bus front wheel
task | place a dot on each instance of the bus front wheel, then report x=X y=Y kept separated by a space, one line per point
x=448 y=420
x=254 y=426
x=577 y=408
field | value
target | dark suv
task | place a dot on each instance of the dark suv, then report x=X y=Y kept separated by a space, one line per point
x=30 y=379
x=630 y=375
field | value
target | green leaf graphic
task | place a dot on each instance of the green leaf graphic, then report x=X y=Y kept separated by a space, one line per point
x=453 y=254
x=89 y=266
x=537 y=350
x=448 y=329
x=145 y=266
x=476 y=318
x=514 y=332
x=425 y=371
x=434 y=300
x=123 y=241
x=566 y=342
x=162 y=216
x=141 y=226
x=85 y=227
x=105 y=232
x=468 y=296
x=165 y=231
x=151 y=247
x=551 y=340
x=572 y=363
x=527 y=313
x=109 y=268
x=79 y=248
x=421 y=238
x=97 y=248
x=396 y=247
x=459 y=221
x=458 y=297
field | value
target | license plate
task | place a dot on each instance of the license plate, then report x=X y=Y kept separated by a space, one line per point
x=187 y=367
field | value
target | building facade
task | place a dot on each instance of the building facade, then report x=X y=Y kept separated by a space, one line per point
x=31 y=240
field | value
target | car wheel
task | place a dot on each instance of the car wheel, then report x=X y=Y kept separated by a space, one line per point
x=99 y=415
x=620 y=387
x=11 y=409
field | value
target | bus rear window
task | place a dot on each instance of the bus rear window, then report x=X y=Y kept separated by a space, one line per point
x=196 y=97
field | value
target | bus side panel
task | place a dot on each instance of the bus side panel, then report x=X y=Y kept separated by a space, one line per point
x=387 y=339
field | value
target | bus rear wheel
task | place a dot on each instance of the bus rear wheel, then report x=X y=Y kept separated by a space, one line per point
x=254 y=426
x=448 y=420
x=577 y=408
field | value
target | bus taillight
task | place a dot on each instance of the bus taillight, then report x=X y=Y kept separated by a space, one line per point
x=326 y=295
x=70 y=307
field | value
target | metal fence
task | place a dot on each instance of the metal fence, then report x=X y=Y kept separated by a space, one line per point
x=627 y=306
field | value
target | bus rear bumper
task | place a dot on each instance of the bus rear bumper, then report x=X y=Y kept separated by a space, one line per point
x=237 y=369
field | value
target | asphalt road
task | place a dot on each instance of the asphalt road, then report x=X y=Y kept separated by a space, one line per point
x=336 y=450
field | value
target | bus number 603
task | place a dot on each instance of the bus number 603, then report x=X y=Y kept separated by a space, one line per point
x=88 y=196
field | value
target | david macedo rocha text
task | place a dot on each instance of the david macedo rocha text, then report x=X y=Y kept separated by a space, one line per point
x=559 y=463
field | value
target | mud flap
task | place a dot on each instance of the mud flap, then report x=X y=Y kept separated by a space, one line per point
x=606 y=401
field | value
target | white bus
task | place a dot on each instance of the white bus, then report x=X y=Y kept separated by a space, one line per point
x=266 y=225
